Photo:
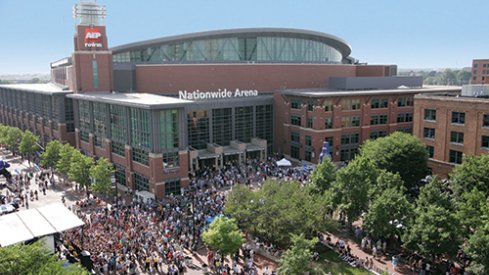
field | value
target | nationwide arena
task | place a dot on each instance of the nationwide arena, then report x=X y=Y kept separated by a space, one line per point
x=162 y=109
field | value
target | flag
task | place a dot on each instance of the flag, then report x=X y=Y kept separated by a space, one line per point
x=324 y=151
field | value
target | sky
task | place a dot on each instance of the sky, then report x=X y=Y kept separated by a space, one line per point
x=411 y=34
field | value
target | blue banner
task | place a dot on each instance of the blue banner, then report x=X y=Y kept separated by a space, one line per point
x=325 y=151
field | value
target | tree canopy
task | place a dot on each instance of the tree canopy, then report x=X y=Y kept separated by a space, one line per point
x=399 y=153
x=297 y=259
x=80 y=168
x=223 y=235
x=28 y=143
x=50 y=156
x=324 y=174
x=472 y=173
x=33 y=259
x=64 y=161
x=14 y=135
x=101 y=173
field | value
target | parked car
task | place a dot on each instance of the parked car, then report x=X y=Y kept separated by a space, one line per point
x=6 y=209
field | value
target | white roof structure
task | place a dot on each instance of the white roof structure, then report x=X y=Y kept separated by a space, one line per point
x=29 y=224
x=284 y=162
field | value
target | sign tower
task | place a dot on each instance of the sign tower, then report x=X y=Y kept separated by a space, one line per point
x=92 y=59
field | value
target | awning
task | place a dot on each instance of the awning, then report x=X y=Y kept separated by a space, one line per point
x=231 y=151
x=29 y=224
x=207 y=155
x=252 y=148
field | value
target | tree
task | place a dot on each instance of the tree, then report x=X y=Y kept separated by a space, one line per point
x=388 y=214
x=50 y=156
x=352 y=186
x=478 y=244
x=64 y=161
x=436 y=228
x=470 y=208
x=101 y=173
x=297 y=259
x=239 y=205
x=3 y=134
x=324 y=175
x=33 y=259
x=80 y=168
x=223 y=235
x=386 y=180
x=472 y=173
x=14 y=135
x=399 y=153
x=28 y=144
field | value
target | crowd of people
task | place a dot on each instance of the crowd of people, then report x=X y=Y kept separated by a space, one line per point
x=155 y=236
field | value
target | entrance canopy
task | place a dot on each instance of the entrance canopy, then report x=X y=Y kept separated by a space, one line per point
x=284 y=162
x=29 y=224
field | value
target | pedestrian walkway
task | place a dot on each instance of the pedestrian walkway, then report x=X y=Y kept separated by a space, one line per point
x=380 y=264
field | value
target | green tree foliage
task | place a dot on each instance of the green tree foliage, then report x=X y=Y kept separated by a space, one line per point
x=388 y=214
x=101 y=173
x=3 y=134
x=28 y=143
x=472 y=173
x=470 y=208
x=324 y=175
x=297 y=259
x=64 y=161
x=436 y=228
x=14 y=135
x=80 y=168
x=351 y=189
x=33 y=259
x=50 y=156
x=386 y=180
x=223 y=235
x=239 y=205
x=478 y=244
x=399 y=153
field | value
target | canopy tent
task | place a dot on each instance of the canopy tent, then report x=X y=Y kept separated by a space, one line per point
x=145 y=196
x=284 y=162
x=29 y=224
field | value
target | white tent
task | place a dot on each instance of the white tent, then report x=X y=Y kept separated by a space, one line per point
x=29 y=224
x=145 y=196
x=284 y=162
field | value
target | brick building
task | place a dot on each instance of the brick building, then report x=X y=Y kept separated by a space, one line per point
x=480 y=71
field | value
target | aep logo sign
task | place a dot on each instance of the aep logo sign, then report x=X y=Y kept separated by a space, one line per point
x=93 y=38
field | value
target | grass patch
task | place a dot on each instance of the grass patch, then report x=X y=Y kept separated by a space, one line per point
x=329 y=261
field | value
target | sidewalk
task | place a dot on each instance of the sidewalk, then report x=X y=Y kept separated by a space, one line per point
x=380 y=264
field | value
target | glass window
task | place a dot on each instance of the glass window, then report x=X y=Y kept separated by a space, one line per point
x=378 y=119
x=456 y=156
x=350 y=104
x=243 y=123
x=169 y=135
x=485 y=141
x=379 y=103
x=430 y=150
x=294 y=137
x=264 y=124
x=295 y=120
x=140 y=129
x=118 y=148
x=172 y=187
x=120 y=174
x=140 y=155
x=198 y=129
x=308 y=154
x=95 y=73
x=308 y=140
x=84 y=119
x=222 y=126
x=330 y=141
x=429 y=133
x=296 y=104
x=350 y=138
x=429 y=114
x=309 y=122
x=328 y=123
x=294 y=151
x=328 y=105
x=405 y=101
x=141 y=182
x=100 y=112
x=350 y=121
x=457 y=137
x=377 y=134
x=118 y=123
x=458 y=117
x=171 y=160
x=404 y=117
x=310 y=105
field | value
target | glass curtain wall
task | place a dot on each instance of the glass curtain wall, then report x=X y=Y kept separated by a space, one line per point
x=140 y=135
x=169 y=137
x=198 y=129
x=222 y=126
x=118 y=128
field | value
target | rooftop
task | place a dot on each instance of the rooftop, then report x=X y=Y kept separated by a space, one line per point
x=46 y=88
x=325 y=92
x=138 y=100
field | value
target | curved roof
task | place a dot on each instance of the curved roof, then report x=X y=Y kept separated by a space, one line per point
x=335 y=42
